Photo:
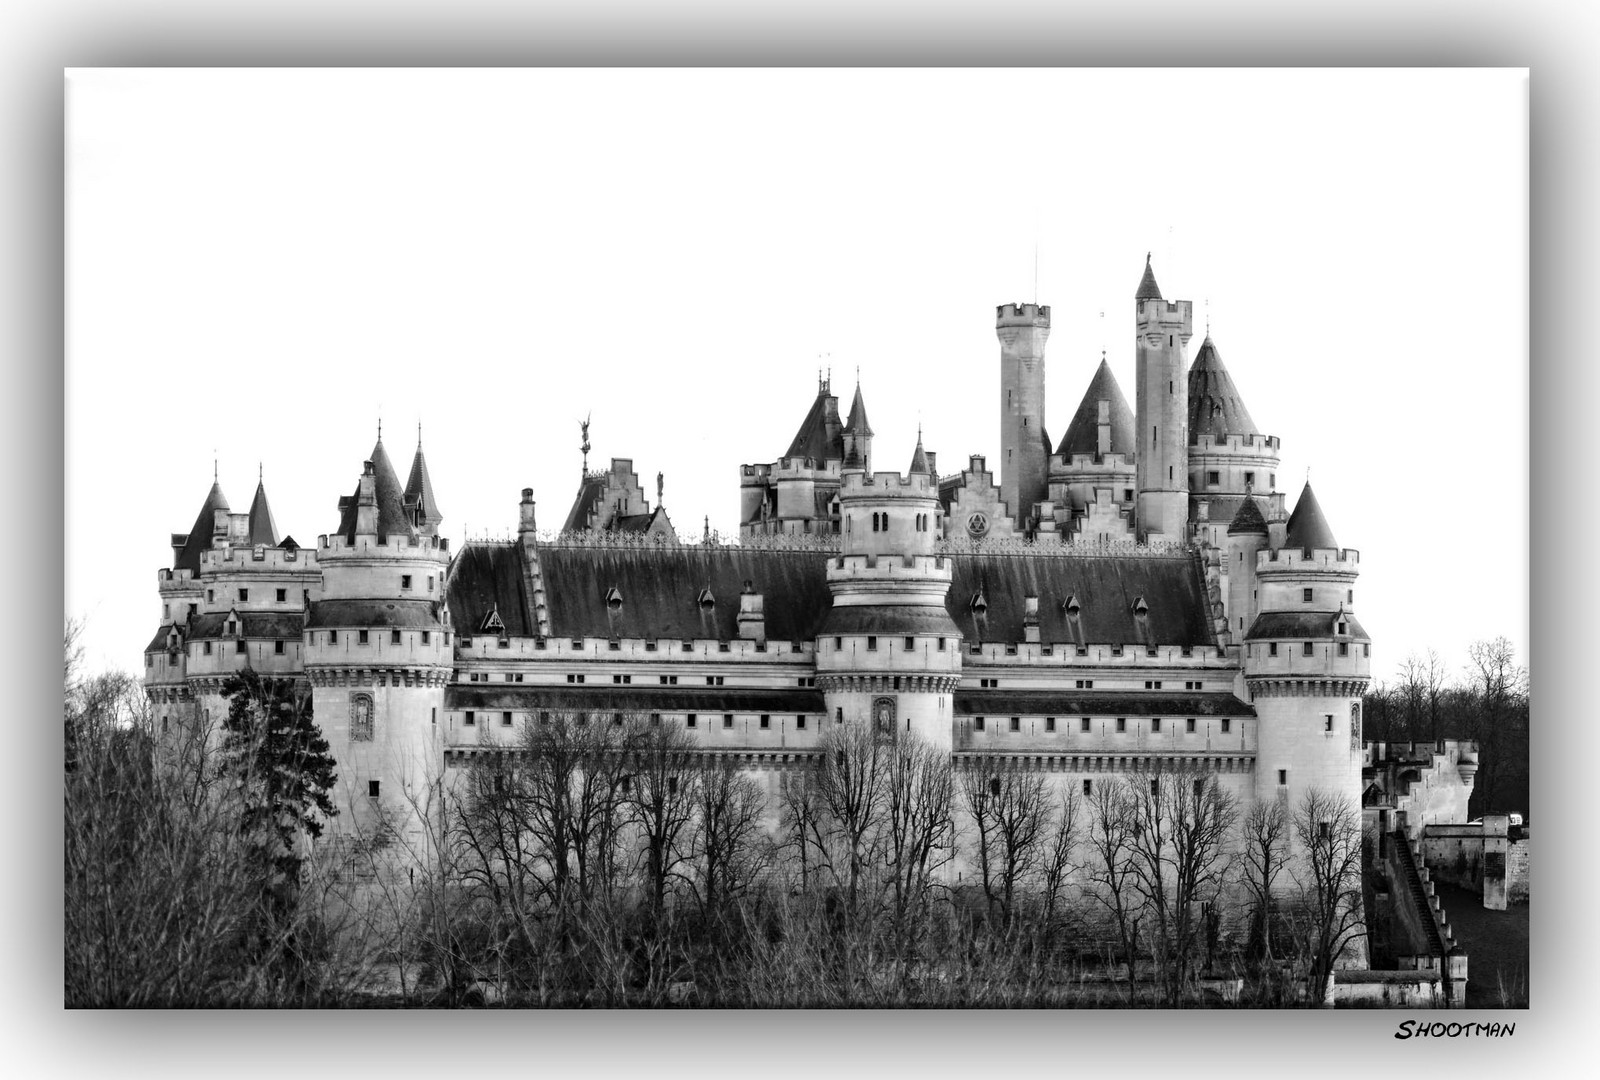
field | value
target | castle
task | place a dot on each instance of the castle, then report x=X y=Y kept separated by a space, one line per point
x=1133 y=601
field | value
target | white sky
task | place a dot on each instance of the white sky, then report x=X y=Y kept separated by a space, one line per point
x=260 y=262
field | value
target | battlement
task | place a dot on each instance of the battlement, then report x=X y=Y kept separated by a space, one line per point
x=169 y=580
x=804 y=468
x=1095 y=463
x=887 y=566
x=1168 y=314
x=1259 y=445
x=1022 y=315
x=399 y=546
x=247 y=560
x=1295 y=561
x=754 y=474
x=886 y=485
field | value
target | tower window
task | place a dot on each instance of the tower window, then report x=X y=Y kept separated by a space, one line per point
x=977 y=723
x=1226 y=724
x=405 y=581
x=239 y=646
x=766 y=721
x=1049 y=723
x=1305 y=650
x=1213 y=478
x=277 y=648
x=1249 y=478
x=838 y=715
x=1327 y=722
x=1155 y=726
x=505 y=719
x=372 y=789
x=426 y=636
x=333 y=637
x=471 y=718
x=1344 y=648
x=1016 y=723
x=1283 y=777
x=1088 y=787
x=727 y=720
x=1305 y=596
x=1085 y=726
x=361 y=637
x=1366 y=650
x=1272 y=648
x=1155 y=787
x=911 y=643
x=872 y=644
x=244 y=594
x=800 y=723
x=1188 y=725
x=394 y=637
x=282 y=595
x=1127 y=494
x=941 y=644
x=1122 y=723
x=691 y=720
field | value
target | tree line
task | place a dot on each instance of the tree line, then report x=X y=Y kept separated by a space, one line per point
x=1487 y=701
x=607 y=860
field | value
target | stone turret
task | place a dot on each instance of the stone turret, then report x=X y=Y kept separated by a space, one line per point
x=1163 y=330
x=1023 y=330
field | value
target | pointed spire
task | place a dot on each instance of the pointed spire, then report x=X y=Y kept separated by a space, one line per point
x=390 y=496
x=1083 y=433
x=1148 y=289
x=1248 y=519
x=1308 y=528
x=199 y=538
x=919 y=460
x=857 y=424
x=263 y=530
x=418 y=495
x=1215 y=407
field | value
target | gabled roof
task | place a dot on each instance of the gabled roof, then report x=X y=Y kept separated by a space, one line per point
x=1215 y=407
x=188 y=558
x=419 y=489
x=1148 y=289
x=1308 y=528
x=1248 y=519
x=857 y=424
x=820 y=435
x=1083 y=433
x=589 y=492
x=392 y=516
x=263 y=531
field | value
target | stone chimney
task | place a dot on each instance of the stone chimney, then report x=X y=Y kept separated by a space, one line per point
x=752 y=615
x=1030 y=619
x=525 y=521
x=367 y=502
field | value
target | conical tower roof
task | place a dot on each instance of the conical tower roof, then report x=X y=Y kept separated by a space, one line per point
x=419 y=489
x=919 y=460
x=1215 y=407
x=1083 y=433
x=1308 y=528
x=1248 y=519
x=857 y=424
x=392 y=516
x=199 y=540
x=1148 y=289
x=263 y=530
x=819 y=437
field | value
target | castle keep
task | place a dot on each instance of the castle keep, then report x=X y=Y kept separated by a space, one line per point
x=1133 y=601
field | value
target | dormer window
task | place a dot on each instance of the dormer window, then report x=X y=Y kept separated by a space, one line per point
x=1342 y=628
x=613 y=599
x=1072 y=607
x=492 y=622
x=706 y=601
x=232 y=626
x=1140 y=607
x=979 y=603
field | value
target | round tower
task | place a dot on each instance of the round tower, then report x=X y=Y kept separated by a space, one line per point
x=1228 y=455
x=378 y=651
x=1023 y=330
x=1307 y=662
x=888 y=653
x=1162 y=402
x=1247 y=535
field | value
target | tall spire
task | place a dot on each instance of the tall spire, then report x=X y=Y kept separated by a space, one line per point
x=1148 y=289
x=198 y=539
x=418 y=495
x=919 y=460
x=263 y=530
x=1308 y=527
x=857 y=424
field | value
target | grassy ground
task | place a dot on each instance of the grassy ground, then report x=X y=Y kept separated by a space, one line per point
x=1497 y=948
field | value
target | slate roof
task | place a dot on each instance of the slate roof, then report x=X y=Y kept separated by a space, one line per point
x=857 y=424
x=1248 y=519
x=660 y=591
x=1106 y=589
x=820 y=438
x=522 y=697
x=1215 y=407
x=1096 y=703
x=919 y=459
x=632 y=523
x=589 y=492
x=1303 y=624
x=485 y=577
x=159 y=642
x=1308 y=528
x=199 y=538
x=263 y=530
x=1083 y=433
x=888 y=620
x=1148 y=289
x=413 y=614
x=419 y=486
x=392 y=515
x=268 y=625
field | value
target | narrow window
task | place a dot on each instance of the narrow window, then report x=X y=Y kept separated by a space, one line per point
x=361 y=637
x=282 y=595
x=977 y=723
x=239 y=646
x=277 y=648
x=766 y=721
x=727 y=720
x=505 y=719
x=1324 y=830
x=372 y=789
x=1085 y=726
x=471 y=718
x=1049 y=723
x=838 y=716
x=1249 y=478
x=1366 y=650
x=206 y=648
x=691 y=720
x=941 y=644
x=1088 y=787
x=872 y=643
x=244 y=594
x=1327 y=722
x=430 y=582
x=1226 y=724
x=838 y=644
x=1272 y=648
x=1155 y=726
x=211 y=595
x=800 y=723
x=1199 y=789
x=1122 y=723
x=911 y=643
x=1305 y=596
x=333 y=637
x=1188 y=725
x=394 y=637
x=1344 y=648
x=1305 y=650
x=426 y=636
x=1155 y=787
x=1283 y=777
x=994 y=786
x=655 y=719
x=405 y=581
x=1016 y=723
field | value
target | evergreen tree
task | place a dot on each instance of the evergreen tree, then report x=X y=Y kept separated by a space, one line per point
x=275 y=746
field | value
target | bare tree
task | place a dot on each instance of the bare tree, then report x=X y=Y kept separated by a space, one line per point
x=726 y=841
x=1010 y=817
x=663 y=784
x=1498 y=716
x=1265 y=849
x=1059 y=861
x=1113 y=819
x=1179 y=859
x=1327 y=871
x=920 y=831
